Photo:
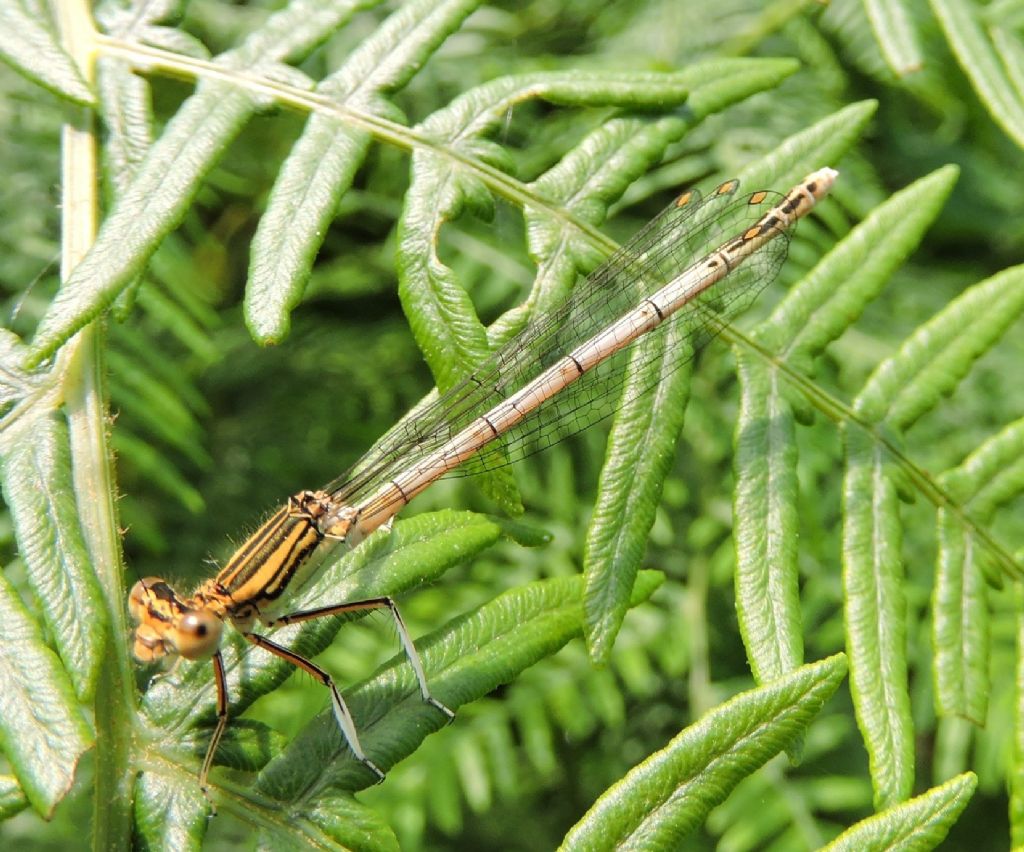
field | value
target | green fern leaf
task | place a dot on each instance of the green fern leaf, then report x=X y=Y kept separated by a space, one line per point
x=441 y=315
x=980 y=61
x=667 y=796
x=960 y=625
x=169 y=177
x=894 y=29
x=920 y=824
x=322 y=163
x=815 y=313
x=12 y=799
x=168 y=815
x=38 y=488
x=988 y=478
x=42 y=731
x=875 y=615
x=640 y=451
x=937 y=357
x=29 y=44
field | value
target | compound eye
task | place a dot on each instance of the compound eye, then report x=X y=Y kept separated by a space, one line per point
x=198 y=634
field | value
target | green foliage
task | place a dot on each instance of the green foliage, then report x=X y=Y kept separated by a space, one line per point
x=416 y=183
x=30 y=45
x=993 y=60
x=667 y=796
x=920 y=823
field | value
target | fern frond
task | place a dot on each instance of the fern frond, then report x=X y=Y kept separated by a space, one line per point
x=986 y=480
x=669 y=794
x=30 y=45
x=39 y=493
x=922 y=823
x=894 y=30
x=496 y=129
x=986 y=63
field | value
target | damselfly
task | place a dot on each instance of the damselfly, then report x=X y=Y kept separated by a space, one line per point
x=698 y=262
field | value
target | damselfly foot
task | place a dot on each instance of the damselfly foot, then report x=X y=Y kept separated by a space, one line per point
x=447 y=711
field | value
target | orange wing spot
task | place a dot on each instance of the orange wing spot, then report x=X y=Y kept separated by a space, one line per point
x=728 y=187
x=750 y=233
x=684 y=199
x=758 y=197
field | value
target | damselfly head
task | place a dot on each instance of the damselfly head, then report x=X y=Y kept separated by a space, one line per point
x=166 y=626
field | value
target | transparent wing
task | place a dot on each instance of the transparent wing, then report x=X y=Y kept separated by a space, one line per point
x=681 y=236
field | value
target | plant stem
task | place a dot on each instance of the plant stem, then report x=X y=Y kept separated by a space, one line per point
x=80 y=365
